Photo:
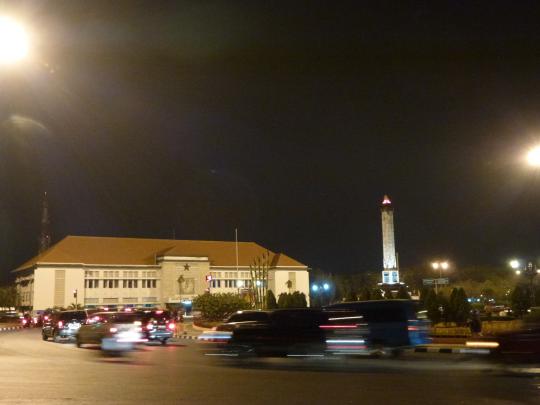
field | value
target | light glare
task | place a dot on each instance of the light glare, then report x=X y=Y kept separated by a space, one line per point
x=13 y=41
x=533 y=157
x=514 y=264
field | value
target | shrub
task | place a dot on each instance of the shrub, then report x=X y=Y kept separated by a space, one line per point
x=216 y=307
x=271 y=300
x=294 y=300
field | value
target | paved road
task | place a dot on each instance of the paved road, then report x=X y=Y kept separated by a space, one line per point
x=37 y=372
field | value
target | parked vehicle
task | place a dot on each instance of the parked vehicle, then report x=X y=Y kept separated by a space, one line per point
x=9 y=316
x=392 y=324
x=113 y=331
x=157 y=325
x=62 y=326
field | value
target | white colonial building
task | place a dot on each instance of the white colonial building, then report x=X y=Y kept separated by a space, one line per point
x=111 y=272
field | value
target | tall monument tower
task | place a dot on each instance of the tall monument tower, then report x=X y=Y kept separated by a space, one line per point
x=45 y=235
x=390 y=273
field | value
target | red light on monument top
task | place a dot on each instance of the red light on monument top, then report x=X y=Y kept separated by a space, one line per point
x=386 y=200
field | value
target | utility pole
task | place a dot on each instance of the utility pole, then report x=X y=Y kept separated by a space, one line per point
x=45 y=236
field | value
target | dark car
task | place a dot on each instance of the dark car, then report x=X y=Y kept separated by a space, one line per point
x=521 y=346
x=392 y=324
x=157 y=325
x=300 y=332
x=63 y=325
x=242 y=317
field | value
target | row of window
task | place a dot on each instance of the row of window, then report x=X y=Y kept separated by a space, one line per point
x=112 y=283
x=116 y=274
x=230 y=274
x=234 y=283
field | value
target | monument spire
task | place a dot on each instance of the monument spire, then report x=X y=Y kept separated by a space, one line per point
x=45 y=236
x=390 y=273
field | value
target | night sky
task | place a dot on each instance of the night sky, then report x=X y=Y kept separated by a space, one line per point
x=289 y=120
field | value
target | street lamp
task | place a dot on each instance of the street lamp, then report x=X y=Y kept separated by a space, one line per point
x=533 y=156
x=320 y=288
x=530 y=271
x=439 y=266
x=14 y=42
x=239 y=285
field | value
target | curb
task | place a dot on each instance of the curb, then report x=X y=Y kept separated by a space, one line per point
x=188 y=337
x=7 y=328
x=451 y=350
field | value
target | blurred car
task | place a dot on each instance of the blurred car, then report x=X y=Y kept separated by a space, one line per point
x=113 y=331
x=9 y=316
x=521 y=345
x=393 y=324
x=242 y=317
x=300 y=333
x=223 y=332
x=157 y=325
x=26 y=321
x=62 y=325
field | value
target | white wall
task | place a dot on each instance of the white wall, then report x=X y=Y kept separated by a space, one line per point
x=278 y=282
x=74 y=281
x=43 y=288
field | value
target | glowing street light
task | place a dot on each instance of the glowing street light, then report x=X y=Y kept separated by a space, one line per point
x=533 y=156
x=314 y=288
x=514 y=264
x=14 y=42
x=439 y=266
x=326 y=286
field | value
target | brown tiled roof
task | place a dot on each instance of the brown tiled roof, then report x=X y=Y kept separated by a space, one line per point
x=135 y=251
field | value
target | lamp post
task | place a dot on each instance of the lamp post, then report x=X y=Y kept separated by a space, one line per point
x=14 y=43
x=320 y=289
x=439 y=266
x=530 y=271
x=239 y=285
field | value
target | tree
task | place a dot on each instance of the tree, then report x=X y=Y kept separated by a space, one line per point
x=520 y=300
x=283 y=300
x=402 y=293
x=442 y=301
x=423 y=294
x=216 y=307
x=351 y=295
x=294 y=300
x=9 y=297
x=74 y=306
x=376 y=294
x=432 y=306
x=271 y=300
x=365 y=294
x=258 y=271
x=458 y=306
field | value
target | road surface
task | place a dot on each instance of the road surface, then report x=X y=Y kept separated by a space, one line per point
x=36 y=372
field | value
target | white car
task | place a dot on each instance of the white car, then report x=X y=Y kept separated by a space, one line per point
x=113 y=331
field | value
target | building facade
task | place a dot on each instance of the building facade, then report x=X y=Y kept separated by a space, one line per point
x=117 y=272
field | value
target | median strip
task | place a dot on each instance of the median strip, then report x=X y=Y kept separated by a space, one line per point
x=7 y=328
x=450 y=350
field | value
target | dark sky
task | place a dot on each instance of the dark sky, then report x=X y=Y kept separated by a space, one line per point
x=289 y=120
